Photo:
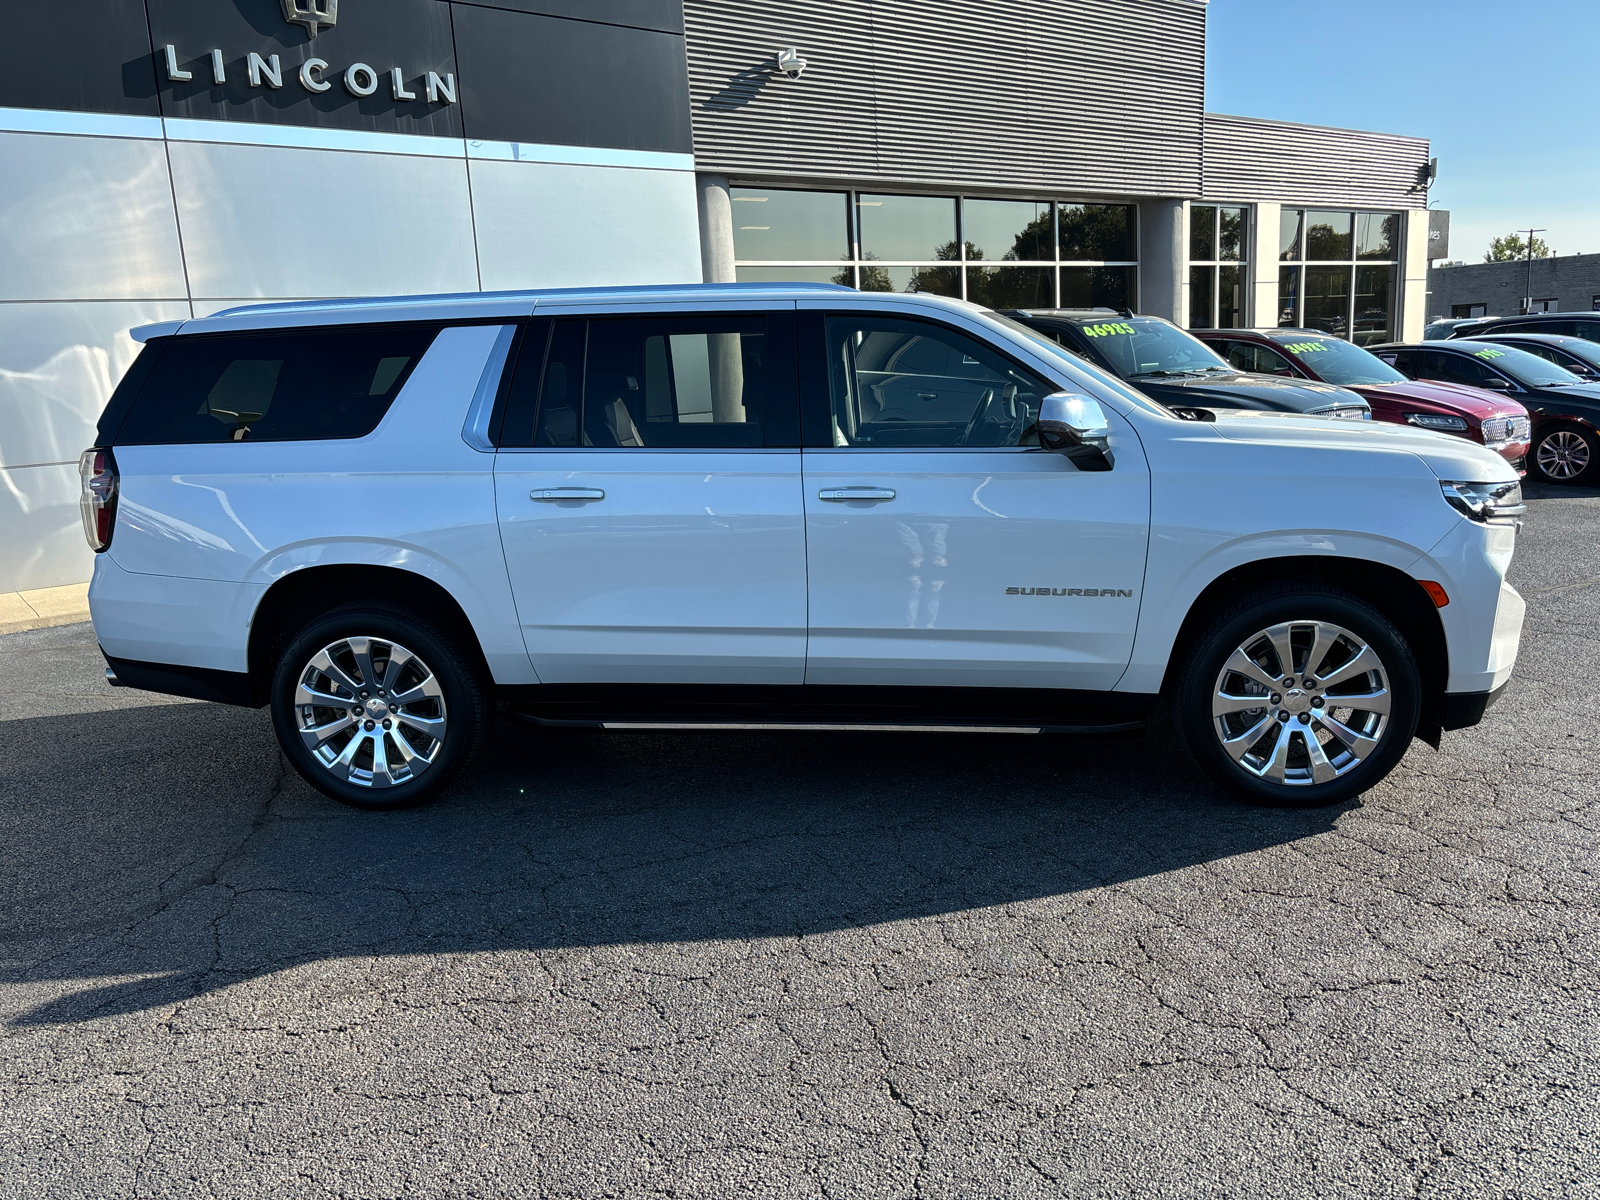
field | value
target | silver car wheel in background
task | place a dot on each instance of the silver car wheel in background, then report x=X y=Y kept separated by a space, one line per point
x=1301 y=703
x=1563 y=455
x=371 y=712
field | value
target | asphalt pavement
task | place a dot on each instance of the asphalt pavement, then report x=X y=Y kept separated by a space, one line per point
x=802 y=965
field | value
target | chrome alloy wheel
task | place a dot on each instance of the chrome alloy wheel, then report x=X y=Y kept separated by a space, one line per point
x=371 y=712
x=1563 y=455
x=1301 y=703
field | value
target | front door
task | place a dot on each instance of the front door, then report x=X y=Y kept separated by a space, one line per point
x=651 y=534
x=950 y=552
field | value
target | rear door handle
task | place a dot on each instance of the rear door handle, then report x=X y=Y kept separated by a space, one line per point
x=856 y=493
x=570 y=493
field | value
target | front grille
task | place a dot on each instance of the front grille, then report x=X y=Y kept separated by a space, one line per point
x=1503 y=427
x=1348 y=412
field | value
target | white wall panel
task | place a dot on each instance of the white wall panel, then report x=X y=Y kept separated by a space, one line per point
x=58 y=365
x=41 y=534
x=269 y=221
x=86 y=218
x=559 y=225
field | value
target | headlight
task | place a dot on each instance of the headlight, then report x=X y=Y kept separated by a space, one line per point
x=1490 y=503
x=1437 y=421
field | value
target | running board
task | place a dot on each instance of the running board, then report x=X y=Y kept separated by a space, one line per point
x=689 y=726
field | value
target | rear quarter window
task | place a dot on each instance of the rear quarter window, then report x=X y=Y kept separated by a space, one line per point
x=301 y=385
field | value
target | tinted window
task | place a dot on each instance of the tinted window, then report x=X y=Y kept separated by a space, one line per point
x=274 y=387
x=900 y=382
x=700 y=382
x=1452 y=368
x=1247 y=356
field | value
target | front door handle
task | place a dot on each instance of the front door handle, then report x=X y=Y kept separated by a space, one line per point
x=570 y=493
x=856 y=493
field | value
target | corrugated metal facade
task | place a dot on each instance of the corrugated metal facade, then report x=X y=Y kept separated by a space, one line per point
x=1055 y=95
x=1251 y=159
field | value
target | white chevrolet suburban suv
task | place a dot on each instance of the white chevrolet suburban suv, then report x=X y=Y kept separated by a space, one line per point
x=751 y=506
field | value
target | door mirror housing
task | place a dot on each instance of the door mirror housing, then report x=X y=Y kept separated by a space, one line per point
x=1496 y=384
x=1076 y=426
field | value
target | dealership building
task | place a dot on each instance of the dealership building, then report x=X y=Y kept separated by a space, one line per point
x=170 y=158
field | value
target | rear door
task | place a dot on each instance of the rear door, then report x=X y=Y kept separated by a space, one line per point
x=958 y=553
x=648 y=486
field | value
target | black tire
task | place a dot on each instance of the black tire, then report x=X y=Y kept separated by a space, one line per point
x=402 y=648
x=1200 y=681
x=1570 y=454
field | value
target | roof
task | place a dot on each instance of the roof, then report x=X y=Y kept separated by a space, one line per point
x=478 y=306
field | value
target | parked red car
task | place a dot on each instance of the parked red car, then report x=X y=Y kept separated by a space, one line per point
x=1497 y=421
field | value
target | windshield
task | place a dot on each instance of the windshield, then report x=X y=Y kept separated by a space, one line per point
x=1527 y=369
x=1336 y=361
x=1078 y=363
x=1140 y=347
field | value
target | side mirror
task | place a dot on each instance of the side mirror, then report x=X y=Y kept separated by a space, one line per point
x=1076 y=426
x=1496 y=384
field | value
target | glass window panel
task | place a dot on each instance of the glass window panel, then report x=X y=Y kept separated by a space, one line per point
x=1327 y=303
x=844 y=275
x=1012 y=287
x=1374 y=305
x=912 y=228
x=1008 y=230
x=1328 y=237
x=1232 y=234
x=1202 y=285
x=1230 y=298
x=1202 y=232
x=936 y=281
x=674 y=382
x=1289 y=223
x=1378 y=235
x=897 y=381
x=774 y=223
x=1289 y=296
x=1096 y=232
x=1097 y=287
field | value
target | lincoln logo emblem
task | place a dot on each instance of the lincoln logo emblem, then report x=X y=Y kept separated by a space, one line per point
x=311 y=13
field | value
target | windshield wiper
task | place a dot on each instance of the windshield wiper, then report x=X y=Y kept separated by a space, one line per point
x=1153 y=374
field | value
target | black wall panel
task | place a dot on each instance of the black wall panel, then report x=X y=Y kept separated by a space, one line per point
x=529 y=78
x=78 y=55
x=663 y=15
x=413 y=35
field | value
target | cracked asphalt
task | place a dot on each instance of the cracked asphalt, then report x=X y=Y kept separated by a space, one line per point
x=802 y=965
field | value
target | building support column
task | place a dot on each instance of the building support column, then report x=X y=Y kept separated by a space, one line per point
x=1164 y=260
x=1263 y=251
x=716 y=228
x=1412 y=302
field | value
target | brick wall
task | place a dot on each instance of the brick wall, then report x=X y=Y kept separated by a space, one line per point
x=1573 y=280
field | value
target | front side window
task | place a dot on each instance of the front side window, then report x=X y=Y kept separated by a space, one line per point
x=1258 y=360
x=668 y=382
x=306 y=385
x=899 y=382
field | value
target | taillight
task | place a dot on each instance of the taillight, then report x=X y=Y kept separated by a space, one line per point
x=98 y=501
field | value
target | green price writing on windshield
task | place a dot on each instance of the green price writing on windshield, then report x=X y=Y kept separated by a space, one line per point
x=1488 y=353
x=1108 y=330
x=1305 y=347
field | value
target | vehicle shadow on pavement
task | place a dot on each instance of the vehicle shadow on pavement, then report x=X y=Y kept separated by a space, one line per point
x=154 y=854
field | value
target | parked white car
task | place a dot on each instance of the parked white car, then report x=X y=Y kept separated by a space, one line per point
x=755 y=506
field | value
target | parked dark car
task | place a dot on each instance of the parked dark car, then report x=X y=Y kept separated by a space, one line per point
x=1565 y=447
x=1179 y=370
x=1564 y=324
x=1492 y=418
x=1444 y=327
x=1578 y=355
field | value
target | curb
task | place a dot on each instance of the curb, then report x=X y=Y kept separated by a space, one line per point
x=43 y=608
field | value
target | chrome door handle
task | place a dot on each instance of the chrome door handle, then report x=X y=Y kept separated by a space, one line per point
x=554 y=494
x=856 y=493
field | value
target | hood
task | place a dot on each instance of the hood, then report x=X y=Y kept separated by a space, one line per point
x=1585 y=395
x=1457 y=397
x=1447 y=456
x=1249 y=391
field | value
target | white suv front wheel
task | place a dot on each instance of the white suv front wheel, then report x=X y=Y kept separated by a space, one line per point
x=1298 y=696
x=377 y=707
